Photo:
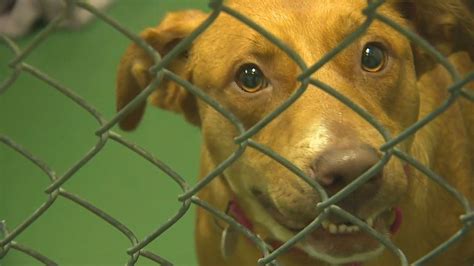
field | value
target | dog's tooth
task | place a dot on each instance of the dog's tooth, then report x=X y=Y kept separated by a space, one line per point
x=332 y=228
x=352 y=229
x=325 y=224
x=342 y=228
x=339 y=229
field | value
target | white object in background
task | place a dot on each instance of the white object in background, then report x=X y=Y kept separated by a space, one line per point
x=17 y=17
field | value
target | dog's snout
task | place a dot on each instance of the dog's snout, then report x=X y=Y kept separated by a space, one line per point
x=335 y=168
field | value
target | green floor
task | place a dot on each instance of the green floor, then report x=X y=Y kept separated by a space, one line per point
x=59 y=132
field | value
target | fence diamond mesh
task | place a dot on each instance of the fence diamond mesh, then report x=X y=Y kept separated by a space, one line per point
x=189 y=196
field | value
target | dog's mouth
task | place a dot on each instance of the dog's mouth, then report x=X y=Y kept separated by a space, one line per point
x=336 y=240
x=345 y=242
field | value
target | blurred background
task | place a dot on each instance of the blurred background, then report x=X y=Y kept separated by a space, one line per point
x=59 y=132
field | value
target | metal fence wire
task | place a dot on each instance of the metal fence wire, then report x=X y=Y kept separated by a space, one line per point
x=328 y=204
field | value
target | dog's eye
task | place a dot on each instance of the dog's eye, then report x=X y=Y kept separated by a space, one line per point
x=250 y=78
x=373 y=58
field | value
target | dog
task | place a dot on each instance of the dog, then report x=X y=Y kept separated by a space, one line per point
x=383 y=72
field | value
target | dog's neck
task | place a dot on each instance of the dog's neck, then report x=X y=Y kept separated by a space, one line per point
x=431 y=146
x=435 y=142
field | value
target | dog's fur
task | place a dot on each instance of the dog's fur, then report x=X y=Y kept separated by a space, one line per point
x=275 y=200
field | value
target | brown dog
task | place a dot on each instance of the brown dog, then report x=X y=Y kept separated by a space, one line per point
x=382 y=72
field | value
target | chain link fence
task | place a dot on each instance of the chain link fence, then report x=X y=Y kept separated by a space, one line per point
x=244 y=140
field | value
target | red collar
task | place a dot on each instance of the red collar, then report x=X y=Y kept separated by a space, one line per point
x=236 y=211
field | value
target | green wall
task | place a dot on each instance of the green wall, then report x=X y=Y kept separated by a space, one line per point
x=59 y=132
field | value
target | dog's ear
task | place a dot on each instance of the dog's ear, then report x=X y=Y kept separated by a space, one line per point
x=134 y=76
x=447 y=24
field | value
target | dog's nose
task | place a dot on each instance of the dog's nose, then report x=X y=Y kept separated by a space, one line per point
x=337 y=167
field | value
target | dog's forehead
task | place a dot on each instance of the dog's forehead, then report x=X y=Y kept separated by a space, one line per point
x=291 y=3
x=251 y=7
x=312 y=20
x=309 y=27
x=304 y=17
